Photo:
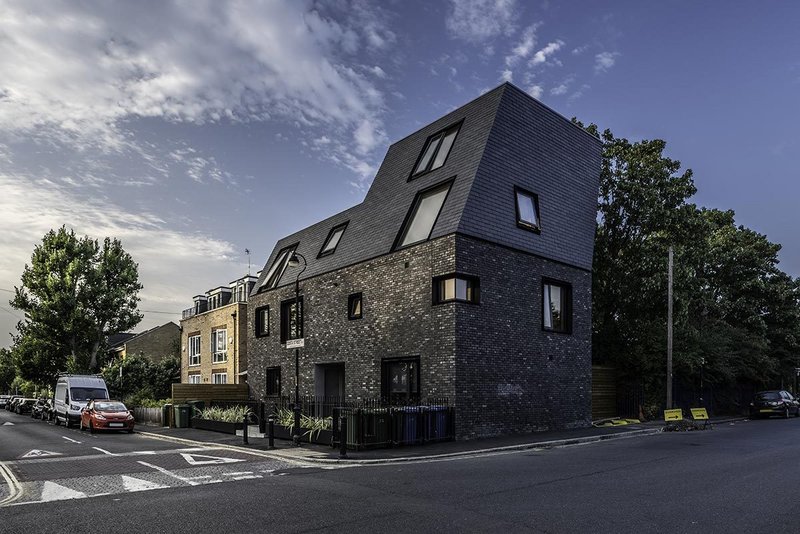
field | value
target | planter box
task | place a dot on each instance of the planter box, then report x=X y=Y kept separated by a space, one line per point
x=323 y=437
x=216 y=426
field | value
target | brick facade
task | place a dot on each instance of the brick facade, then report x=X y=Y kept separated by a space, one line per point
x=202 y=324
x=154 y=344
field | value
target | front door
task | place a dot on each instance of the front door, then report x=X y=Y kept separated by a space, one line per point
x=328 y=388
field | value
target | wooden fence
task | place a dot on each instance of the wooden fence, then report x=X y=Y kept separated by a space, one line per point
x=209 y=392
x=147 y=416
x=604 y=392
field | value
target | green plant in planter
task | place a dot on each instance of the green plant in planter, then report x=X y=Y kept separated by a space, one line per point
x=311 y=425
x=234 y=414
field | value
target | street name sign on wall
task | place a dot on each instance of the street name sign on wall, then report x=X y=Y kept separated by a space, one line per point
x=296 y=343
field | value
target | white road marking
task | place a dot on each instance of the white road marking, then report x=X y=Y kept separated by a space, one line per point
x=238 y=473
x=14 y=487
x=56 y=492
x=70 y=439
x=247 y=477
x=8 y=423
x=137 y=484
x=193 y=459
x=104 y=451
x=170 y=473
x=134 y=453
x=36 y=452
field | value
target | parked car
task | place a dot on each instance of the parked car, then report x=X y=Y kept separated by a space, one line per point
x=777 y=402
x=4 y=400
x=36 y=409
x=47 y=410
x=106 y=415
x=10 y=402
x=24 y=406
x=13 y=402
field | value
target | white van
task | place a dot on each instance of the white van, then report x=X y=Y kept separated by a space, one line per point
x=72 y=394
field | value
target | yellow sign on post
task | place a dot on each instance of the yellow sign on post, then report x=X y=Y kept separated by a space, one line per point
x=673 y=415
x=699 y=414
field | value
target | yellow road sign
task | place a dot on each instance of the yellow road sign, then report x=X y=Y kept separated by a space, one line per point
x=673 y=415
x=699 y=414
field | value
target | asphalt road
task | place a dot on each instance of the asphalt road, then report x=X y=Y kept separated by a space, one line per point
x=735 y=478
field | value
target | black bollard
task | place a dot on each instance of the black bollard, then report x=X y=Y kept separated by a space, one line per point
x=262 y=422
x=244 y=431
x=271 y=433
x=343 y=437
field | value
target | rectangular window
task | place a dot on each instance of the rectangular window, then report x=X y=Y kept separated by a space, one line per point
x=335 y=235
x=273 y=382
x=400 y=380
x=219 y=345
x=354 y=306
x=278 y=267
x=556 y=306
x=423 y=214
x=194 y=379
x=219 y=378
x=262 y=321
x=194 y=350
x=436 y=150
x=291 y=320
x=527 y=209
x=456 y=288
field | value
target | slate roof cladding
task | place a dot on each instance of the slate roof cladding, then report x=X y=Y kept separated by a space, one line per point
x=506 y=138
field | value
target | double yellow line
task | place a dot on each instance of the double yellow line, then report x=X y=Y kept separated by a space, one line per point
x=14 y=487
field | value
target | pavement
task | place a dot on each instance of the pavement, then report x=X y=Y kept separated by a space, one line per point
x=448 y=449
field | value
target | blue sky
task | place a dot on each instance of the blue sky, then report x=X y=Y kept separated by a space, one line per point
x=194 y=130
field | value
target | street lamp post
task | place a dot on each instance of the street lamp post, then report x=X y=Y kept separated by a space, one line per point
x=294 y=261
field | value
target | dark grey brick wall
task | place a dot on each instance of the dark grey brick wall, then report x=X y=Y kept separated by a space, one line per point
x=511 y=375
x=535 y=148
x=398 y=321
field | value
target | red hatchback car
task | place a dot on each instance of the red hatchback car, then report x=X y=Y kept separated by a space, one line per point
x=106 y=415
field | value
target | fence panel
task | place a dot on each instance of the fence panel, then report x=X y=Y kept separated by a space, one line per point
x=147 y=416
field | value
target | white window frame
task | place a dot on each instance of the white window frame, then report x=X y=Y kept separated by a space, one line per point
x=194 y=378
x=219 y=345
x=219 y=378
x=194 y=352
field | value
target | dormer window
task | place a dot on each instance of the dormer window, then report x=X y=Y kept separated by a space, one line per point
x=335 y=235
x=527 y=210
x=278 y=267
x=436 y=150
x=422 y=217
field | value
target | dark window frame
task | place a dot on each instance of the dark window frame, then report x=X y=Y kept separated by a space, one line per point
x=413 y=209
x=352 y=298
x=386 y=393
x=268 y=372
x=428 y=168
x=476 y=289
x=285 y=310
x=278 y=275
x=259 y=332
x=567 y=306
x=322 y=251
x=537 y=228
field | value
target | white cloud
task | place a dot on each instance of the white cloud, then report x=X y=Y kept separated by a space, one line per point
x=579 y=50
x=477 y=21
x=605 y=60
x=545 y=53
x=507 y=76
x=563 y=87
x=76 y=72
x=379 y=72
x=525 y=45
x=172 y=264
x=536 y=91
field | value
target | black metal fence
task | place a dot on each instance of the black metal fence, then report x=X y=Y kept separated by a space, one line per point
x=376 y=422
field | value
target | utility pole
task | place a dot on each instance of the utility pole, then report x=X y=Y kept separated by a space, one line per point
x=669 y=332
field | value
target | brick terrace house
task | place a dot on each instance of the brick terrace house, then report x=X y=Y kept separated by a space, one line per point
x=213 y=338
x=155 y=344
x=464 y=273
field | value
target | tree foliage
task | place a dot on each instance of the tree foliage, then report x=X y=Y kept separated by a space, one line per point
x=736 y=314
x=142 y=377
x=75 y=293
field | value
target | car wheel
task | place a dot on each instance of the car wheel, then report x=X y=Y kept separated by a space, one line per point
x=786 y=413
x=130 y=431
x=55 y=419
x=66 y=420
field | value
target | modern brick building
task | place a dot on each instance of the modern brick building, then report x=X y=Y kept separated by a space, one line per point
x=214 y=337
x=464 y=273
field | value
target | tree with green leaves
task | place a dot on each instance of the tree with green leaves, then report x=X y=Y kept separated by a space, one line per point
x=75 y=293
x=7 y=370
